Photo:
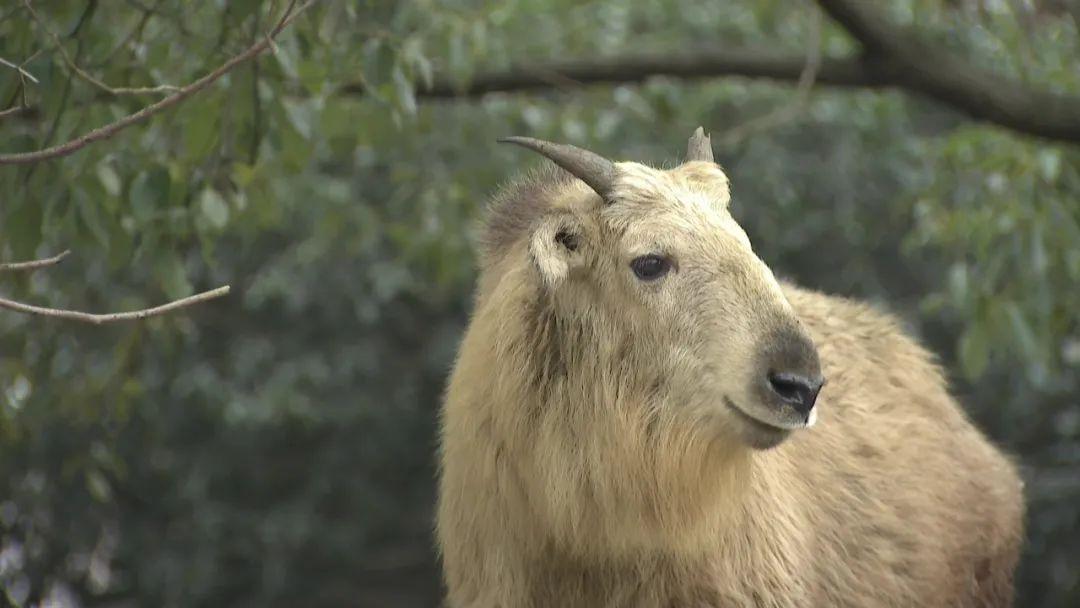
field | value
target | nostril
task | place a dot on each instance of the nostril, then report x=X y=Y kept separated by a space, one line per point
x=786 y=386
x=798 y=391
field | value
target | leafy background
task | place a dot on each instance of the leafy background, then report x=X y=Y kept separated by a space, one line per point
x=275 y=448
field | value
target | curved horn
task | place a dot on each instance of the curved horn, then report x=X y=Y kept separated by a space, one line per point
x=699 y=147
x=591 y=168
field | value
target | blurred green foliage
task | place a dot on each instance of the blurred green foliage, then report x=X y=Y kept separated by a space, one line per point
x=277 y=448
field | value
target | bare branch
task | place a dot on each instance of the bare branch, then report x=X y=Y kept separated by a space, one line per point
x=183 y=93
x=96 y=319
x=135 y=34
x=35 y=264
x=81 y=73
x=273 y=8
x=638 y=67
x=11 y=110
x=802 y=94
x=21 y=90
x=99 y=319
x=908 y=60
x=894 y=58
x=18 y=68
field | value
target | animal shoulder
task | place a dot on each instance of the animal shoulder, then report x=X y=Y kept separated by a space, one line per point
x=857 y=331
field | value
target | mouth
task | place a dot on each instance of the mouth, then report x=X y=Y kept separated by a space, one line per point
x=755 y=422
x=757 y=433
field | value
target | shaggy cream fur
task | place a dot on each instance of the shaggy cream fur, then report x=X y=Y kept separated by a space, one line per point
x=591 y=457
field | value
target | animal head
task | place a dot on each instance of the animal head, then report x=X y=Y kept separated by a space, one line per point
x=648 y=290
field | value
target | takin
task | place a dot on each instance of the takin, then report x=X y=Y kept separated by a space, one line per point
x=632 y=419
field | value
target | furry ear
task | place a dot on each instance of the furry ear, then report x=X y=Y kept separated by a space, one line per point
x=554 y=247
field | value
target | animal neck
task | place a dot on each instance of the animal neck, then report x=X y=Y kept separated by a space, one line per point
x=563 y=471
x=608 y=463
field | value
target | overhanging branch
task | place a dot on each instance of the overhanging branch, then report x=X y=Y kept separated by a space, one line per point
x=35 y=264
x=706 y=63
x=893 y=57
x=909 y=61
x=182 y=93
x=97 y=319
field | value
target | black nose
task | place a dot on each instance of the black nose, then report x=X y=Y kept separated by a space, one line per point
x=796 y=390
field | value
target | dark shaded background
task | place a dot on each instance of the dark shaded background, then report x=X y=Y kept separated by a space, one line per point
x=276 y=448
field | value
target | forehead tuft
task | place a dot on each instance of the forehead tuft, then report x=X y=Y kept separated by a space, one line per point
x=705 y=177
x=517 y=206
x=700 y=184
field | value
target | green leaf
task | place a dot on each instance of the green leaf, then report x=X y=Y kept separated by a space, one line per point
x=214 y=208
x=93 y=218
x=1022 y=333
x=201 y=126
x=958 y=284
x=109 y=180
x=412 y=53
x=1049 y=164
x=974 y=352
x=172 y=276
x=424 y=69
x=403 y=92
x=149 y=192
x=98 y=486
x=312 y=76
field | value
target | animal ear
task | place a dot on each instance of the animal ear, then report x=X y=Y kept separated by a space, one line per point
x=555 y=247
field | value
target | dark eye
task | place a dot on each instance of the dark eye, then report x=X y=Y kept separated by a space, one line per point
x=650 y=267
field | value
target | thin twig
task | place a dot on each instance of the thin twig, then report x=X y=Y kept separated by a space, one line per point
x=256 y=101
x=98 y=319
x=81 y=73
x=18 y=68
x=175 y=18
x=183 y=93
x=273 y=9
x=135 y=33
x=1026 y=48
x=35 y=264
x=11 y=110
x=23 y=74
x=32 y=57
x=802 y=92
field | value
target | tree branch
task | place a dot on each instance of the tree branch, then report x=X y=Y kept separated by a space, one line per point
x=11 y=110
x=802 y=91
x=909 y=61
x=98 y=319
x=894 y=58
x=873 y=33
x=18 y=68
x=183 y=93
x=20 y=91
x=81 y=73
x=633 y=68
x=35 y=264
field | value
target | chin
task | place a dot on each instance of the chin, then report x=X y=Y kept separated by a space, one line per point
x=754 y=433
